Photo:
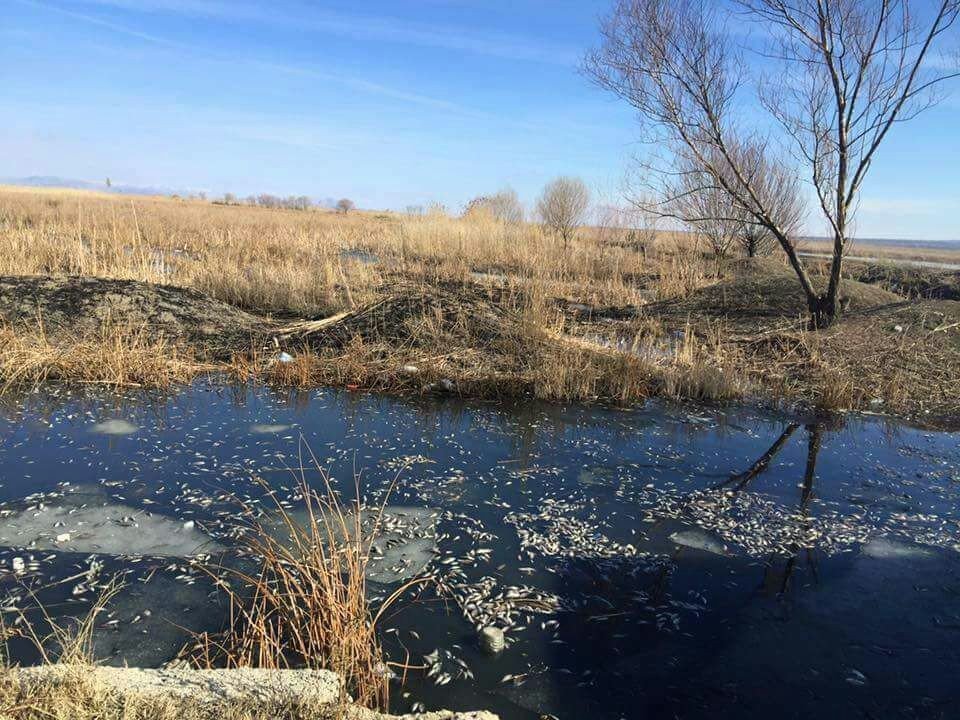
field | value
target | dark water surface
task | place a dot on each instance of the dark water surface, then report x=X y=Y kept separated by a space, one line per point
x=659 y=562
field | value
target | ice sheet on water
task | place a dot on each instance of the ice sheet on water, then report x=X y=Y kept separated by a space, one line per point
x=114 y=426
x=148 y=623
x=404 y=545
x=263 y=429
x=85 y=523
x=884 y=548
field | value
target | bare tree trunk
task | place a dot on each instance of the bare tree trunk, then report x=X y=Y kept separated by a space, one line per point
x=763 y=462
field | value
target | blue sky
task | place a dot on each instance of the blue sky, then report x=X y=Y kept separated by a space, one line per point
x=389 y=103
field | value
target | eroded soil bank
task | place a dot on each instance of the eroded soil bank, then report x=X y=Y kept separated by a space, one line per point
x=742 y=337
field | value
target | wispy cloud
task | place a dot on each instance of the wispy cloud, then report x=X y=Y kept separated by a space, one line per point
x=93 y=20
x=357 y=26
x=360 y=84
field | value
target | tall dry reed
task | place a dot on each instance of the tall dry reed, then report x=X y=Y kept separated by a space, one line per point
x=305 y=602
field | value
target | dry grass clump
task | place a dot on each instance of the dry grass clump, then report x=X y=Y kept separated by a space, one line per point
x=117 y=356
x=287 y=262
x=704 y=366
x=66 y=641
x=304 y=604
x=573 y=372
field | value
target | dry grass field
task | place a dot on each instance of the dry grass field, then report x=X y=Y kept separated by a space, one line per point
x=467 y=305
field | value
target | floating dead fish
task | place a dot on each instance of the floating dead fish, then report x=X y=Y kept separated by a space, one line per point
x=493 y=640
x=699 y=540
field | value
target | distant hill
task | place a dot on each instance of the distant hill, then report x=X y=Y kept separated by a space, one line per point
x=59 y=182
x=53 y=181
x=892 y=242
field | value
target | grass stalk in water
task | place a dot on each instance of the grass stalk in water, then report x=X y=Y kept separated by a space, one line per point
x=304 y=604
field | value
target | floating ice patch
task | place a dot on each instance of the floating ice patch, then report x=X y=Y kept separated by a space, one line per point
x=403 y=547
x=883 y=548
x=598 y=475
x=147 y=623
x=258 y=429
x=114 y=427
x=699 y=540
x=105 y=528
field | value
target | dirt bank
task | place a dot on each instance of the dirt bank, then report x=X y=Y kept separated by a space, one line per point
x=83 y=305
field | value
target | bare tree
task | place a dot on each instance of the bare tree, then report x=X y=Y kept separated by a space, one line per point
x=504 y=205
x=847 y=71
x=344 y=205
x=756 y=240
x=563 y=206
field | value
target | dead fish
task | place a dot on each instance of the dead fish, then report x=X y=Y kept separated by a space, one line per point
x=699 y=540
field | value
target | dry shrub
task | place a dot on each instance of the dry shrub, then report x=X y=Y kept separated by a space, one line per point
x=562 y=372
x=305 y=603
x=681 y=274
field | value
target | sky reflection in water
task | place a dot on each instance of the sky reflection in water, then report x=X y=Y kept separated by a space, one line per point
x=657 y=562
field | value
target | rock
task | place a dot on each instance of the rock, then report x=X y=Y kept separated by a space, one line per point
x=493 y=640
x=201 y=686
x=215 y=687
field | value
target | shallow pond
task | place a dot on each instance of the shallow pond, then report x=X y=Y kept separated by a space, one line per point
x=664 y=561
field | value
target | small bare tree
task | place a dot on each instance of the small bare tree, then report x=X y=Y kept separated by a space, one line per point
x=504 y=205
x=563 y=207
x=846 y=72
x=344 y=206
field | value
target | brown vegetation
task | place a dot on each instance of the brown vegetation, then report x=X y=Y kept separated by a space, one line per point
x=473 y=306
x=304 y=604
